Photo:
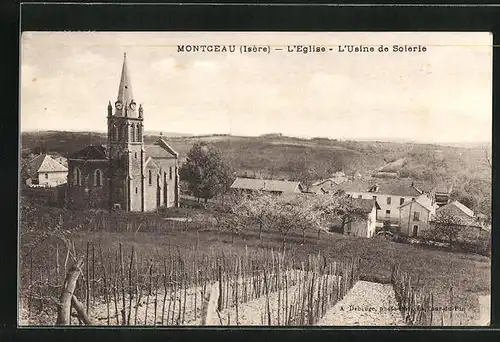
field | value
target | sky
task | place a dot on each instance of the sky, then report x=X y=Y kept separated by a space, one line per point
x=441 y=95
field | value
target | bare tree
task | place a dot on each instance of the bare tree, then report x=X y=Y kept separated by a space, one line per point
x=447 y=226
x=256 y=208
x=336 y=206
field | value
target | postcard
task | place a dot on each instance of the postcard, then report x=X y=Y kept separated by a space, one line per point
x=255 y=179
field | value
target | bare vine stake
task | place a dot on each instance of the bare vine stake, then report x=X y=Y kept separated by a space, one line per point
x=149 y=292
x=237 y=281
x=30 y=296
x=279 y=292
x=156 y=298
x=122 y=276
x=196 y=269
x=286 y=297
x=451 y=305
x=130 y=289
x=87 y=279
x=267 y=299
x=106 y=291
x=219 y=304
x=175 y=281
x=181 y=279
x=138 y=302
x=172 y=287
x=57 y=263
x=185 y=295
x=116 y=301
x=164 y=289
x=93 y=274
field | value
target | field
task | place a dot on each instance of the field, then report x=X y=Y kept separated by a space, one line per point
x=435 y=270
x=453 y=278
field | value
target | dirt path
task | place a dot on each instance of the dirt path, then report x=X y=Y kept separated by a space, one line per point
x=484 y=310
x=366 y=304
x=253 y=312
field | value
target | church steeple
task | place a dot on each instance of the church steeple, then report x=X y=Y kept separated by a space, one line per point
x=125 y=104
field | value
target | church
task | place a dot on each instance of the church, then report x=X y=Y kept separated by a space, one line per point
x=126 y=174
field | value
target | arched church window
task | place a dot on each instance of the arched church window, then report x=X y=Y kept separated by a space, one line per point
x=115 y=132
x=138 y=131
x=124 y=131
x=132 y=133
x=97 y=178
x=77 y=177
x=150 y=177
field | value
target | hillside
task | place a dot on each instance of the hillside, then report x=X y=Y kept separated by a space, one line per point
x=275 y=156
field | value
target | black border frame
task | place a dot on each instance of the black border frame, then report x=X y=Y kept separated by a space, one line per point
x=224 y=16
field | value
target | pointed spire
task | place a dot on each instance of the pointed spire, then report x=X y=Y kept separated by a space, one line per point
x=125 y=94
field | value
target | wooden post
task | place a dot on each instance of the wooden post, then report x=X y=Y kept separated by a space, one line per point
x=64 y=309
x=209 y=308
x=82 y=315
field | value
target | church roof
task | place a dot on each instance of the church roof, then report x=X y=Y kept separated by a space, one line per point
x=91 y=152
x=43 y=164
x=160 y=150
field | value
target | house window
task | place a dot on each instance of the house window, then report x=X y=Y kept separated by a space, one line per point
x=387 y=212
x=415 y=230
x=97 y=178
x=170 y=173
x=401 y=201
x=46 y=176
x=150 y=177
x=388 y=200
x=117 y=206
x=77 y=180
x=136 y=190
x=416 y=216
x=132 y=133
x=375 y=198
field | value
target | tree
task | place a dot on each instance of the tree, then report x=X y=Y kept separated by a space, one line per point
x=228 y=216
x=205 y=171
x=464 y=197
x=339 y=207
x=256 y=207
x=302 y=170
x=447 y=226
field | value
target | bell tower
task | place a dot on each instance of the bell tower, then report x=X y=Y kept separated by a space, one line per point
x=126 y=147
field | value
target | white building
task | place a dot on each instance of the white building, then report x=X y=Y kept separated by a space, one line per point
x=44 y=171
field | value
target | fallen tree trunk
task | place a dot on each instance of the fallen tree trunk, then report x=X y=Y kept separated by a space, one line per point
x=81 y=311
x=64 y=308
x=209 y=308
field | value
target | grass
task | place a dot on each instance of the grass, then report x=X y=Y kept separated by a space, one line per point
x=436 y=270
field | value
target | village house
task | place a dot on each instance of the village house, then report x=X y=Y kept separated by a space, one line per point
x=416 y=216
x=389 y=194
x=366 y=226
x=468 y=224
x=126 y=174
x=325 y=186
x=278 y=187
x=44 y=171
